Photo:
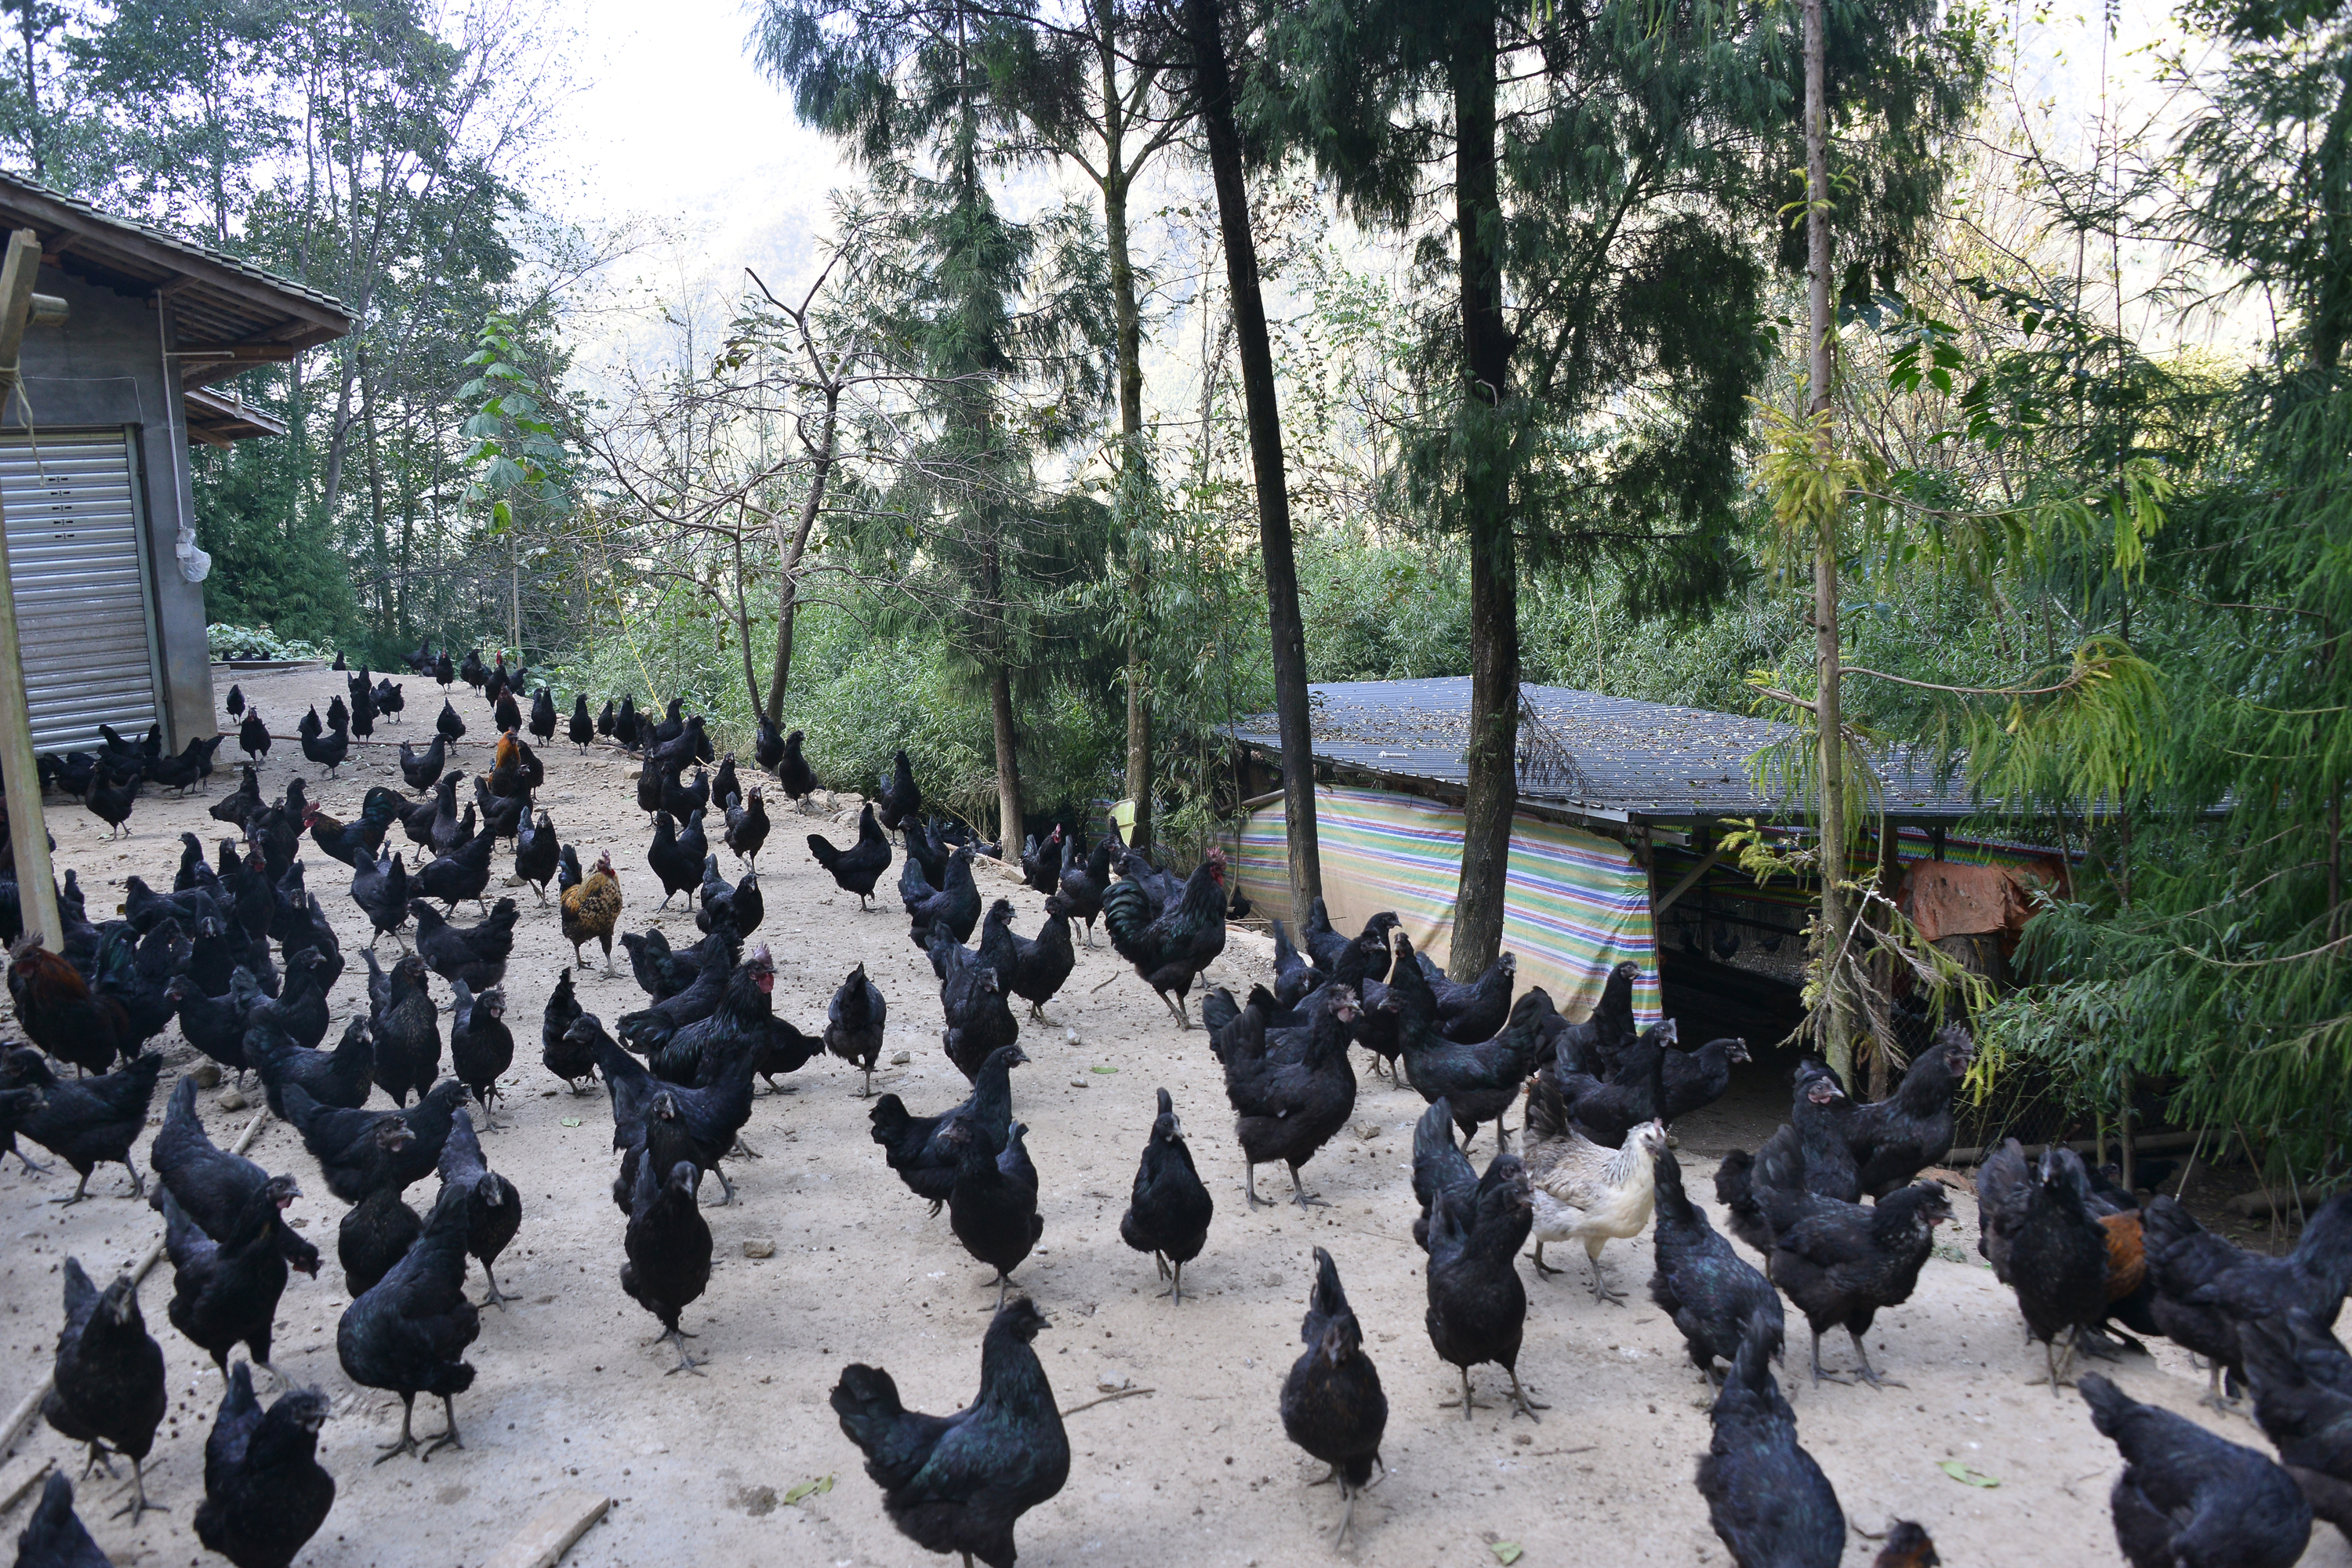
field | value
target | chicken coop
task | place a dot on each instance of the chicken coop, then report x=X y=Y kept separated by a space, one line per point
x=104 y=544
x=1617 y=847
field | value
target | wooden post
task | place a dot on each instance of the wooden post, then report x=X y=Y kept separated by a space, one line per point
x=35 y=890
x=1838 y=1020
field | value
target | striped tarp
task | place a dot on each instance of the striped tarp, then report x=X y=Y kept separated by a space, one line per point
x=1577 y=905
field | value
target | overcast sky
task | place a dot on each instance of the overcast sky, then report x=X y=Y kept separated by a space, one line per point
x=671 y=123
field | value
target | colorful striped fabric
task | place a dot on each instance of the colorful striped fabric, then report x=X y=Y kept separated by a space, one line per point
x=1577 y=904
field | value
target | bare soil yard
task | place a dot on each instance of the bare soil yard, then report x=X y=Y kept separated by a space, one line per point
x=572 y=1394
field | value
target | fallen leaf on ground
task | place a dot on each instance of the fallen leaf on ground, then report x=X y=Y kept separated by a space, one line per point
x=1967 y=1476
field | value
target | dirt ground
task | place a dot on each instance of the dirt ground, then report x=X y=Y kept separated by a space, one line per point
x=571 y=1394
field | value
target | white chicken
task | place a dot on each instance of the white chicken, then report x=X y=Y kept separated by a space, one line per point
x=1582 y=1191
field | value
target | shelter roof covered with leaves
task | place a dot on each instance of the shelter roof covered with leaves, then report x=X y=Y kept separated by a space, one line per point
x=1608 y=758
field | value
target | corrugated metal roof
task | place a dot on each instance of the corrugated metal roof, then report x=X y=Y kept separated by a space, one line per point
x=230 y=315
x=1580 y=750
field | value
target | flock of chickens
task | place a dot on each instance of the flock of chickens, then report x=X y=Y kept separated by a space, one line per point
x=1831 y=1200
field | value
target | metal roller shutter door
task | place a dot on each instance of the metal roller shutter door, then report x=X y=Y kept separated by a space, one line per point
x=81 y=579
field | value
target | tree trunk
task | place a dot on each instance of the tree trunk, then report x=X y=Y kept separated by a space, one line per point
x=1206 y=32
x=792 y=549
x=1135 y=480
x=1008 y=765
x=1492 y=757
x=1828 y=711
x=743 y=616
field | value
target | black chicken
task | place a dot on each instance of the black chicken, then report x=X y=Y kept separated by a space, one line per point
x=1477 y=1307
x=407 y=1032
x=1897 y=1138
x=1332 y=1405
x=2302 y=1401
x=106 y=1385
x=667 y=1123
x=538 y=851
x=493 y=1206
x=917 y=1147
x=408 y=1334
x=1474 y=1010
x=2187 y=1497
x=328 y=750
x=55 y=1536
x=375 y=1233
x=899 y=799
x=978 y=1019
x=1033 y=969
x=738 y=909
x=91 y=1121
x=992 y=1202
x=663 y=972
x=571 y=1062
x=747 y=826
x=1083 y=881
x=1170 y=949
x=1041 y=861
x=790 y=768
x=2045 y=1244
x=381 y=890
x=360 y=1151
x=266 y=1494
x=228 y=1291
x=213 y=1186
x=423 y=772
x=955 y=905
x=340 y=1078
x=253 y=736
x=474 y=955
x=1480 y=1081
x=449 y=727
x=676 y=857
x=1168 y=1210
x=460 y=876
x=1712 y=1293
x=649 y=1028
x=960 y=1483
x=668 y=1249
x=1288 y=1110
x=854 y=1022
x=1766 y=1499
x=858 y=867
x=481 y=1047
x=1840 y=1263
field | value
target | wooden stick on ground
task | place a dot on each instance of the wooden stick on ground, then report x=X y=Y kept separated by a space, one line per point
x=542 y=1543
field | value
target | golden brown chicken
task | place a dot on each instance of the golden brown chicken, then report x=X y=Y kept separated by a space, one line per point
x=506 y=777
x=1582 y=1191
x=591 y=909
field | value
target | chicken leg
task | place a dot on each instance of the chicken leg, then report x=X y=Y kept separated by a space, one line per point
x=138 y=1503
x=407 y=1442
x=686 y=1362
x=1868 y=1373
x=497 y=1298
x=1600 y=1292
x=1302 y=1197
x=1519 y=1397
x=448 y=1439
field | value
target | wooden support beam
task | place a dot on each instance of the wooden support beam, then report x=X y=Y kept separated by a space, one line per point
x=19 y=773
x=1690 y=880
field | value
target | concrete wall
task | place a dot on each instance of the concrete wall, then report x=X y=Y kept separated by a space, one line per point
x=106 y=366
